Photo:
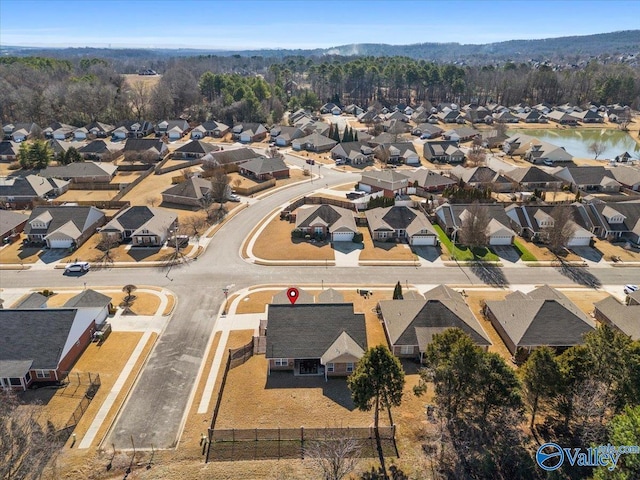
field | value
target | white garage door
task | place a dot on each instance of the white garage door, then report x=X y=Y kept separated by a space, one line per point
x=579 y=242
x=59 y=243
x=342 y=236
x=495 y=240
x=423 y=240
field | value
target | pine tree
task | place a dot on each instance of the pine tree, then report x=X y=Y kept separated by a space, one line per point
x=355 y=136
x=345 y=135
x=397 y=292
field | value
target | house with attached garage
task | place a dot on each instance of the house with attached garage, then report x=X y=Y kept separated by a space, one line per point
x=249 y=132
x=354 y=153
x=628 y=177
x=542 y=317
x=391 y=182
x=315 y=339
x=194 y=150
x=283 y=135
x=82 y=172
x=450 y=116
x=482 y=177
x=562 y=118
x=589 y=116
x=173 y=129
x=63 y=226
x=99 y=129
x=619 y=316
x=132 y=129
x=403 y=223
x=11 y=224
x=282 y=297
x=210 y=129
x=533 y=178
x=462 y=134
x=398 y=153
x=410 y=324
x=19 y=132
x=41 y=344
x=59 y=131
x=589 y=179
x=532 y=116
x=451 y=219
x=154 y=147
x=263 y=168
x=142 y=226
x=443 y=151
x=334 y=223
x=315 y=142
x=92 y=302
x=619 y=221
x=506 y=117
x=542 y=152
x=19 y=192
x=80 y=134
x=229 y=157
x=533 y=222
x=426 y=181
x=193 y=192
x=426 y=130
x=9 y=151
x=99 y=149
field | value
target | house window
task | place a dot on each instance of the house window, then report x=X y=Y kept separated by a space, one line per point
x=281 y=362
x=15 y=382
x=319 y=230
x=406 y=349
x=349 y=367
x=330 y=367
x=42 y=374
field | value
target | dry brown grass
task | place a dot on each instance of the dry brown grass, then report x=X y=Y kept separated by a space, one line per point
x=543 y=254
x=584 y=299
x=145 y=303
x=90 y=252
x=382 y=250
x=87 y=195
x=475 y=300
x=149 y=81
x=125 y=177
x=274 y=243
x=171 y=302
x=16 y=253
x=609 y=250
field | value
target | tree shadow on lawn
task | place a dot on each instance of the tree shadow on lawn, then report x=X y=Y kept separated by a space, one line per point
x=140 y=253
x=334 y=389
x=579 y=275
x=489 y=274
x=313 y=243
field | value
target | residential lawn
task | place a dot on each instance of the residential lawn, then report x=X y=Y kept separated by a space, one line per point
x=610 y=250
x=475 y=299
x=125 y=177
x=144 y=303
x=295 y=175
x=584 y=299
x=463 y=253
x=16 y=253
x=542 y=253
x=87 y=195
x=275 y=243
x=525 y=255
x=374 y=250
x=89 y=252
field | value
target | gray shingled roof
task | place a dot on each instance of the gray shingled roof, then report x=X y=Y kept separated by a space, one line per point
x=18 y=341
x=29 y=186
x=264 y=165
x=281 y=298
x=88 y=299
x=307 y=331
x=194 y=187
x=197 y=146
x=79 y=170
x=336 y=218
x=399 y=218
x=625 y=317
x=530 y=175
x=331 y=295
x=33 y=300
x=156 y=220
x=236 y=155
x=61 y=215
x=10 y=220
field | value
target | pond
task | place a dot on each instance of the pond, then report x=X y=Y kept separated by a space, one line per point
x=578 y=141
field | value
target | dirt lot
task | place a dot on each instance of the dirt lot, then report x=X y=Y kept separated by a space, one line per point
x=275 y=243
x=149 y=81
x=383 y=250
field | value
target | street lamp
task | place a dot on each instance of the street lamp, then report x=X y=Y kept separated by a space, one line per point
x=225 y=290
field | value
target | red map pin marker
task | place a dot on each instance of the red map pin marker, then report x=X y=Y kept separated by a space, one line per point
x=292 y=295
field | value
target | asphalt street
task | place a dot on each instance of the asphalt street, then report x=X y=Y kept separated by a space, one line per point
x=155 y=409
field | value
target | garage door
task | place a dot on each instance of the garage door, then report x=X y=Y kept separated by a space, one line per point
x=59 y=243
x=579 y=242
x=500 y=240
x=342 y=236
x=423 y=240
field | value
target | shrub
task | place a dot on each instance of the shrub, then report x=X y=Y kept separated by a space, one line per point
x=297 y=233
x=14 y=166
x=358 y=237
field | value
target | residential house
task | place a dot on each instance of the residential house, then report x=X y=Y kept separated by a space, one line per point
x=370 y=116
x=533 y=178
x=155 y=147
x=99 y=129
x=331 y=295
x=398 y=153
x=9 y=151
x=263 y=168
x=95 y=304
x=209 y=129
x=543 y=152
x=391 y=182
x=589 y=116
x=32 y=300
x=386 y=138
x=98 y=149
x=462 y=134
x=426 y=131
x=80 y=134
x=482 y=177
x=451 y=219
x=443 y=152
x=284 y=135
x=318 y=339
x=410 y=324
x=335 y=223
x=59 y=131
x=518 y=144
x=354 y=153
x=542 y=317
x=589 y=179
x=315 y=142
x=401 y=223
x=193 y=192
x=532 y=116
x=353 y=109
x=533 y=222
x=330 y=107
x=194 y=150
x=11 y=224
x=19 y=192
x=249 y=132
x=398 y=115
x=173 y=129
x=621 y=317
x=478 y=115
x=628 y=177
x=282 y=297
x=63 y=226
x=132 y=129
x=142 y=226
x=19 y=132
x=450 y=116
x=82 y=172
x=492 y=139
x=425 y=181
x=41 y=344
x=60 y=147
x=623 y=158
x=619 y=221
x=562 y=118
x=506 y=117
x=395 y=127
x=233 y=156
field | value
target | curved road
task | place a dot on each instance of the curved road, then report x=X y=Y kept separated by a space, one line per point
x=158 y=403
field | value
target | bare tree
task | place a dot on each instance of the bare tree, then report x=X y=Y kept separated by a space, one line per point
x=25 y=446
x=140 y=99
x=624 y=119
x=107 y=243
x=597 y=148
x=129 y=289
x=383 y=154
x=474 y=226
x=335 y=456
x=560 y=229
x=219 y=185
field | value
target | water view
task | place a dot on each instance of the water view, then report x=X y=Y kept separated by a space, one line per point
x=577 y=141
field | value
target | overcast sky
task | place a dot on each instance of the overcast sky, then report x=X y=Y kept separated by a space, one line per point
x=254 y=24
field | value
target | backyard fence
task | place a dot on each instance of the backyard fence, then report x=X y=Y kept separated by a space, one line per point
x=132 y=185
x=246 y=191
x=92 y=383
x=277 y=443
x=178 y=166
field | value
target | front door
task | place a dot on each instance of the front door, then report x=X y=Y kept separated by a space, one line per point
x=309 y=367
